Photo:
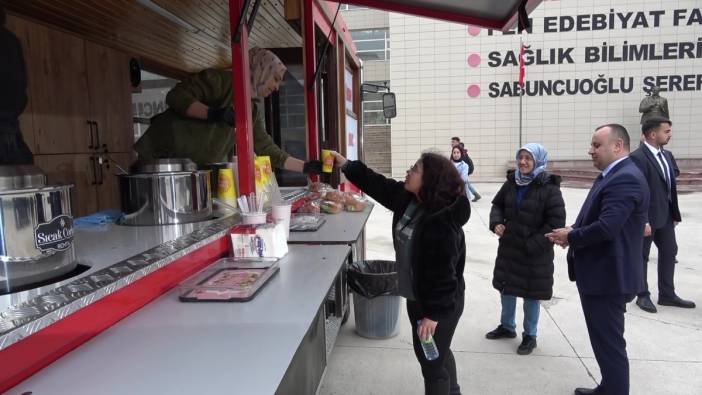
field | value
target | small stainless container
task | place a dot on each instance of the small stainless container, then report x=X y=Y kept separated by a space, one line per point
x=36 y=239
x=166 y=198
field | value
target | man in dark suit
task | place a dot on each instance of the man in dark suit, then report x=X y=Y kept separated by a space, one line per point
x=604 y=258
x=659 y=168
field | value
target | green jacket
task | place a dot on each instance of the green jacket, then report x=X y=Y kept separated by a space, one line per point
x=174 y=135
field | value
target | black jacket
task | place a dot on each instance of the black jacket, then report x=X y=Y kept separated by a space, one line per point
x=469 y=162
x=524 y=263
x=438 y=242
x=660 y=208
x=13 y=77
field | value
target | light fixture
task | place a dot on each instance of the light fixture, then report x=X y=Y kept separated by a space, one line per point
x=182 y=23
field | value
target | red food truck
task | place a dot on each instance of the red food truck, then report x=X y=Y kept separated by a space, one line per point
x=100 y=316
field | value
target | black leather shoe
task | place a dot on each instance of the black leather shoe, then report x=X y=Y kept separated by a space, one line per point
x=644 y=302
x=676 y=301
x=527 y=346
x=501 y=333
x=587 y=391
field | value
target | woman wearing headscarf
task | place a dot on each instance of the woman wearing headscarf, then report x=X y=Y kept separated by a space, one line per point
x=528 y=206
x=198 y=123
x=429 y=210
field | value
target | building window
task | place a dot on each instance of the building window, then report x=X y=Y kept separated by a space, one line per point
x=348 y=7
x=372 y=44
x=373 y=107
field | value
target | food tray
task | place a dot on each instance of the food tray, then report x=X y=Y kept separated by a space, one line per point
x=306 y=222
x=229 y=280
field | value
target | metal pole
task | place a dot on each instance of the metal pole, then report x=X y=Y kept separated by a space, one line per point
x=520 y=118
x=309 y=64
x=241 y=98
x=521 y=92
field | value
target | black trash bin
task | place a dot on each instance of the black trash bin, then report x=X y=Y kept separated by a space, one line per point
x=376 y=305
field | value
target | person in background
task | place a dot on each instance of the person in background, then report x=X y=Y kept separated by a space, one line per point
x=659 y=167
x=199 y=121
x=429 y=210
x=13 y=98
x=604 y=254
x=460 y=164
x=471 y=167
x=528 y=206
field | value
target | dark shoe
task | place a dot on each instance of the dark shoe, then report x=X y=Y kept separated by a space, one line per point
x=644 y=302
x=501 y=333
x=476 y=197
x=676 y=301
x=587 y=391
x=527 y=346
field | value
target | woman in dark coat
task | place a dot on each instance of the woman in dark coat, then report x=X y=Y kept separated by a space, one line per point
x=528 y=206
x=429 y=210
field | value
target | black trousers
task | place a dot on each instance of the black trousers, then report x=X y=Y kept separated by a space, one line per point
x=604 y=317
x=439 y=374
x=664 y=238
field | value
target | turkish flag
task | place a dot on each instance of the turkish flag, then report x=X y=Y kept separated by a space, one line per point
x=522 y=66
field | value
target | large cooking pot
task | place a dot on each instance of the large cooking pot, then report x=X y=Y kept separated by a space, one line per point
x=168 y=197
x=36 y=241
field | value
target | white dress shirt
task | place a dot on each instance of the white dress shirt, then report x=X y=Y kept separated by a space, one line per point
x=663 y=165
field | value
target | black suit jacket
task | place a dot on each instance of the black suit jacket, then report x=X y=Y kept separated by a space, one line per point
x=660 y=208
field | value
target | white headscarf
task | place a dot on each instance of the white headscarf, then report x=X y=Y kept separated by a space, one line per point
x=263 y=64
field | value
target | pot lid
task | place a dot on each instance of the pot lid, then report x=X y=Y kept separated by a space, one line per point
x=167 y=165
x=13 y=177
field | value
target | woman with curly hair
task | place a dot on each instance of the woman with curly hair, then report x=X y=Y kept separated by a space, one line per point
x=429 y=210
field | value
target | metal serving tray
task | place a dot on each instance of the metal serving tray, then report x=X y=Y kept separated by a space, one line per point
x=229 y=280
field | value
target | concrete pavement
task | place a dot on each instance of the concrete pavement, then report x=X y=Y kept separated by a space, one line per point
x=665 y=349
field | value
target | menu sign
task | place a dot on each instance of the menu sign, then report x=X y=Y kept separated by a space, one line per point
x=348 y=89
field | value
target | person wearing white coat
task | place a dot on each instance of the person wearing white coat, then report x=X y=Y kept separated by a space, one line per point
x=463 y=169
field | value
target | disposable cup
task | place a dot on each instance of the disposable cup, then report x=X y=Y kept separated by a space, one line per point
x=327 y=161
x=254 y=218
x=281 y=214
x=226 y=190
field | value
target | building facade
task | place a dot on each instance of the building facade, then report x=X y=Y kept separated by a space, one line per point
x=587 y=63
x=370 y=30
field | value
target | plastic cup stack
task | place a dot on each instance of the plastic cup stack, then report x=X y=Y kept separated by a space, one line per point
x=281 y=214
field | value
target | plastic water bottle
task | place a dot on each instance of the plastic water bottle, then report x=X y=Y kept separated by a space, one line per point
x=429 y=347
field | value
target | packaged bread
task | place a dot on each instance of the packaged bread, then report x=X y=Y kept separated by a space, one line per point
x=352 y=203
x=319 y=187
x=310 y=207
x=329 y=207
x=335 y=196
x=313 y=196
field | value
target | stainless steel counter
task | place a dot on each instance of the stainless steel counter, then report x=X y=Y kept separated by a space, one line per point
x=117 y=256
x=188 y=348
x=343 y=228
x=169 y=347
